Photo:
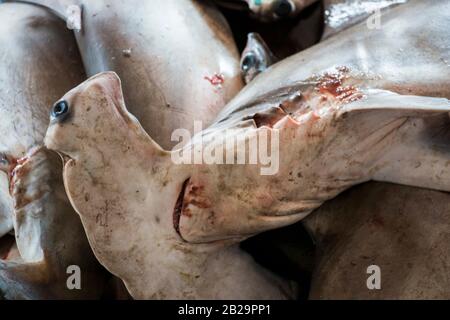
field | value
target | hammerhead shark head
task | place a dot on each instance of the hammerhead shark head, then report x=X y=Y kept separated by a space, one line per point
x=340 y=120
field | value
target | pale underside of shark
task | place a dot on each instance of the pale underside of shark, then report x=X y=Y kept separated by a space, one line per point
x=40 y=234
x=177 y=58
x=362 y=227
x=344 y=118
x=211 y=78
x=402 y=230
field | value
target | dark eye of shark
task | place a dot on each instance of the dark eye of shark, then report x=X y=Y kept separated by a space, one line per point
x=60 y=110
x=282 y=8
x=249 y=62
x=4 y=163
x=3 y=159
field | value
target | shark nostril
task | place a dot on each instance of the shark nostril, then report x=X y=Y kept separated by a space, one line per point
x=283 y=8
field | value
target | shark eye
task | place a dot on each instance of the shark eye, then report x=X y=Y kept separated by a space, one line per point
x=249 y=62
x=282 y=8
x=3 y=159
x=60 y=110
x=4 y=163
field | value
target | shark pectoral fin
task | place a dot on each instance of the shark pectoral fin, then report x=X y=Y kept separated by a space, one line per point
x=383 y=101
x=420 y=156
x=416 y=132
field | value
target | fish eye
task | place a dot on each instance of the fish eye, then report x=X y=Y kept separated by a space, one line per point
x=4 y=163
x=3 y=159
x=249 y=62
x=282 y=8
x=60 y=110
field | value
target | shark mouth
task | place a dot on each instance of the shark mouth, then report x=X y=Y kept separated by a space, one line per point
x=179 y=210
x=179 y=206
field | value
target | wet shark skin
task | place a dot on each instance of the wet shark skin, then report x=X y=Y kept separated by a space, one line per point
x=383 y=59
x=176 y=48
x=268 y=10
x=341 y=14
x=42 y=63
x=280 y=82
x=401 y=229
x=379 y=107
x=167 y=267
x=343 y=228
x=49 y=237
x=177 y=58
x=402 y=57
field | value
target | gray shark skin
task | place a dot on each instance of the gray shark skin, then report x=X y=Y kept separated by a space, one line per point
x=268 y=10
x=41 y=235
x=363 y=226
x=343 y=119
x=177 y=58
x=402 y=230
x=341 y=14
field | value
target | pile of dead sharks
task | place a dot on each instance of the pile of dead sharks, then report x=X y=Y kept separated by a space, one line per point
x=100 y=198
